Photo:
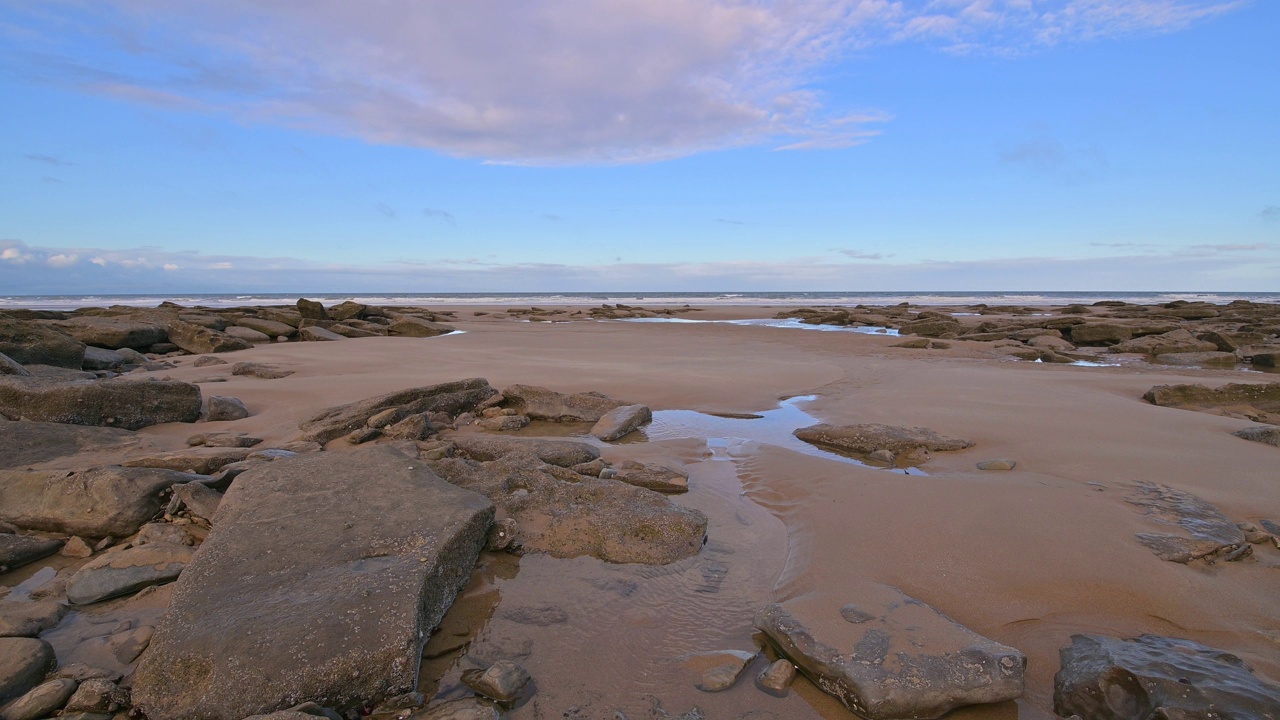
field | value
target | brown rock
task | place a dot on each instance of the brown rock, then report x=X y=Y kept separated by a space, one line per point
x=198 y=340
x=452 y=398
x=99 y=502
x=542 y=404
x=29 y=343
x=124 y=403
x=869 y=437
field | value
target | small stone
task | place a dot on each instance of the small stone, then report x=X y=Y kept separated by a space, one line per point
x=76 y=547
x=502 y=681
x=885 y=457
x=226 y=408
x=98 y=696
x=777 y=678
x=854 y=614
x=501 y=535
x=1000 y=464
x=503 y=423
x=42 y=701
x=725 y=667
x=363 y=435
x=207 y=360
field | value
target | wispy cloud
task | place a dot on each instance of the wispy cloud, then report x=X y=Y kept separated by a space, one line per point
x=1270 y=213
x=860 y=254
x=548 y=82
x=438 y=215
x=386 y=211
x=1046 y=154
x=727 y=221
x=47 y=159
x=1122 y=245
x=1232 y=247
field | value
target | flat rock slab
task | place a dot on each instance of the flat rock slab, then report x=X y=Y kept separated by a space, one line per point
x=868 y=437
x=562 y=453
x=1266 y=434
x=97 y=502
x=620 y=421
x=113 y=333
x=18 y=550
x=127 y=571
x=1105 y=678
x=122 y=403
x=31 y=343
x=29 y=619
x=320 y=580
x=891 y=656
x=200 y=460
x=539 y=403
x=451 y=398
x=1263 y=396
x=23 y=664
x=1205 y=533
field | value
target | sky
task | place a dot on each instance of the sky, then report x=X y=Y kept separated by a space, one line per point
x=152 y=146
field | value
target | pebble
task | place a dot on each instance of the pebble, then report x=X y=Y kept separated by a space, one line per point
x=777 y=678
x=502 y=681
x=999 y=464
x=76 y=547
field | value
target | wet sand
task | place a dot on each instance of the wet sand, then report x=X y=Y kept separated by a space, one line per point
x=1025 y=557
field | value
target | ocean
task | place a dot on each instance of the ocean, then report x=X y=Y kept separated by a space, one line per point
x=71 y=301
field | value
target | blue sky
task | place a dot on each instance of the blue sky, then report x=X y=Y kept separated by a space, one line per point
x=327 y=146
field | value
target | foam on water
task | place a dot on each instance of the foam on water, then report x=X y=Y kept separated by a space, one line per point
x=789 y=323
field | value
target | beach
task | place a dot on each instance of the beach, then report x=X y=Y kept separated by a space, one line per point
x=1026 y=557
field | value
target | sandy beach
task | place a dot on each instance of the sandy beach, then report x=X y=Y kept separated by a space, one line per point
x=1025 y=557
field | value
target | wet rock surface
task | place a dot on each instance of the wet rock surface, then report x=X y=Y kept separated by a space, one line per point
x=98 y=502
x=452 y=398
x=1264 y=397
x=370 y=540
x=1205 y=533
x=539 y=403
x=1106 y=678
x=620 y=421
x=29 y=619
x=18 y=550
x=41 y=701
x=121 y=403
x=127 y=571
x=869 y=437
x=907 y=661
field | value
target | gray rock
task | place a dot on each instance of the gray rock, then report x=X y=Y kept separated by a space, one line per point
x=406 y=326
x=98 y=502
x=311 y=310
x=540 y=403
x=268 y=328
x=502 y=423
x=9 y=366
x=369 y=539
x=122 y=403
x=562 y=453
x=29 y=619
x=18 y=550
x=1150 y=676
x=1268 y=434
x=53 y=373
x=1100 y=334
x=452 y=398
x=98 y=696
x=869 y=437
x=226 y=439
x=1262 y=396
x=23 y=664
x=719 y=670
x=1205 y=532
x=910 y=661
x=41 y=701
x=777 y=678
x=161 y=533
x=657 y=478
x=317 y=334
x=124 y=572
x=464 y=709
x=1199 y=359
x=1177 y=341
x=223 y=409
x=247 y=334
x=112 y=332
x=502 y=681
x=259 y=370
x=620 y=421
x=998 y=464
x=201 y=500
x=96 y=358
x=198 y=340
x=198 y=460
x=29 y=343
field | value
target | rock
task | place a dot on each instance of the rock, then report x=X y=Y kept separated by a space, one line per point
x=1151 y=676
x=869 y=437
x=311 y=310
x=562 y=453
x=777 y=678
x=160 y=533
x=1206 y=532
x=414 y=427
x=501 y=535
x=620 y=421
x=660 y=479
x=1268 y=434
x=1100 y=334
x=41 y=701
x=452 y=398
x=200 y=499
x=909 y=661
x=464 y=709
x=363 y=435
x=1265 y=359
x=883 y=457
x=81 y=672
x=223 y=439
x=18 y=550
x=267 y=328
x=259 y=370
x=406 y=326
x=124 y=572
x=541 y=615
x=123 y=403
x=222 y=409
x=28 y=343
x=542 y=404
x=369 y=539
x=23 y=664
x=1000 y=464
x=1262 y=396
x=347 y=310
x=207 y=360
x=347 y=331
x=99 y=502
x=112 y=332
x=719 y=670
x=29 y=619
x=96 y=358
x=503 y=422
x=1177 y=341
x=76 y=547
x=1199 y=359
x=98 y=696
x=502 y=681
x=198 y=340
x=247 y=334
x=317 y=334
x=9 y=366
x=200 y=460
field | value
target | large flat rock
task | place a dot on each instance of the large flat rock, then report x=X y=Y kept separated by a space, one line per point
x=96 y=502
x=539 y=403
x=31 y=343
x=869 y=437
x=320 y=581
x=18 y=550
x=127 y=571
x=1261 y=396
x=28 y=443
x=112 y=332
x=451 y=398
x=1201 y=530
x=890 y=656
x=121 y=403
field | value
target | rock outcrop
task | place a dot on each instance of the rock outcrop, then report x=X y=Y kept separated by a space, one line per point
x=23 y=444
x=98 y=502
x=867 y=438
x=451 y=398
x=539 y=403
x=127 y=571
x=1205 y=533
x=29 y=343
x=18 y=550
x=112 y=332
x=122 y=403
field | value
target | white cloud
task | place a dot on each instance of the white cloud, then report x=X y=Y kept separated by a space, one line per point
x=14 y=255
x=560 y=81
x=170 y=267
x=62 y=260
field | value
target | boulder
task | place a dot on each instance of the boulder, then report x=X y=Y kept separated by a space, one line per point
x=777 y=678
x=903 y=659
x=98 y=695
x=317 y=334
x=321 y=579
x=42 y=701
x=98 y=502
x=1265 y=359
x=9 y=366
x=620 y=421
x=347 y=310
x=259 y=370
x=29 y=343
x=112 y=332
x=502 y=681
x=1199 y=359
x=247 y=334
x=23 y=664
x=311 y=310
x=127 y=571
x=29 y=619
x=269 y=328
x=122 y=402
x=930 y=327
x=1262 y=396
x=406 y=326
x=1205 y=533
x=199 y=460
x=719 y=670
x=1150 y=676
x=1268 y=434
x=96 y=358
x=868 y=437
x=226 y=408
x=199 y=499
x=657 y=478
x=1178 y=341
x=18 y=550
x=542 y=404
x=562 y=453
x=1100 y=334
x=451 y=398
x=198 y=340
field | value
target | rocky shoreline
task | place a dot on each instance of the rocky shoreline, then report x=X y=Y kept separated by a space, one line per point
x=242 y=578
